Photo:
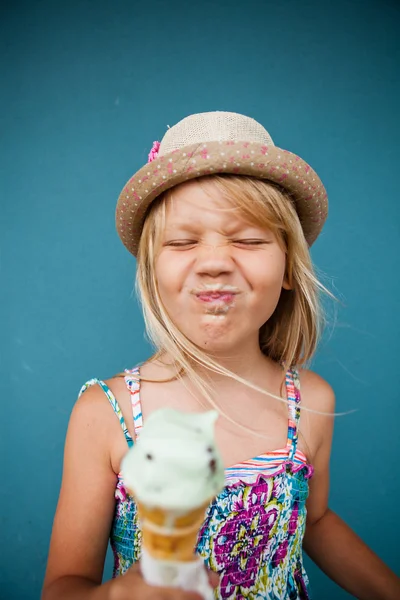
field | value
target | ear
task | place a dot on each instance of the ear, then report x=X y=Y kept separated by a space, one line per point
x=286 y=283
x=287 y=279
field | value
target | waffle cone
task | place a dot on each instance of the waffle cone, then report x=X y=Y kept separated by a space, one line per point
x=167 y=536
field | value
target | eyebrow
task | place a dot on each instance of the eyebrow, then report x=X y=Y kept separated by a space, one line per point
x=182 y=225
x=194 y=228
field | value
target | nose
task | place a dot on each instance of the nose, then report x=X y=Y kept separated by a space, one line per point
x=214 y=260
x=213 y=465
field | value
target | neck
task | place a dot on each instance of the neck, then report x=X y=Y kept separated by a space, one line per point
x=244 y=365
x=243 y=359
x=248 y=362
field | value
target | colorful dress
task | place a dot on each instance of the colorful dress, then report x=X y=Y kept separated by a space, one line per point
x=253 y=531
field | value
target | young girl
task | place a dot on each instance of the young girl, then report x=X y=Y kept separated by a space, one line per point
x=220 y=221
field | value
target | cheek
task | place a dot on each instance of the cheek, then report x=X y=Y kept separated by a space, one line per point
x=267 y=272
x=169 y=278
x=266 y=280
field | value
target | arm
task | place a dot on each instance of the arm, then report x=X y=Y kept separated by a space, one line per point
x=86 y=503
x=85 y=510
x=329 y=542
x=344 y=557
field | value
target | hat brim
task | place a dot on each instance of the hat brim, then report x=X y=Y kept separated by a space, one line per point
x=236 y=158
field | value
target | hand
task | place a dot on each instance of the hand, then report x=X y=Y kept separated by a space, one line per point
x=132 y=586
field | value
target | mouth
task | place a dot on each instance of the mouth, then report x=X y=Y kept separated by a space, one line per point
x=217 y=299
x=216 y=293
x=212 y=297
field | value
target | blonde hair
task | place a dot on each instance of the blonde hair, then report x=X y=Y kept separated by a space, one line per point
x=290 y=336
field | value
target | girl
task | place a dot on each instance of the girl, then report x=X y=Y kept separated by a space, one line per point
x=221 y=221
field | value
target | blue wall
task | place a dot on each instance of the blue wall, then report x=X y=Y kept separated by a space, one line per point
x=88 y=87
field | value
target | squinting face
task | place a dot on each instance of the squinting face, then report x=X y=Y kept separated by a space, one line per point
x=219 y=277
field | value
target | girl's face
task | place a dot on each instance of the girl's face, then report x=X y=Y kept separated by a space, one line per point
x=219 y=277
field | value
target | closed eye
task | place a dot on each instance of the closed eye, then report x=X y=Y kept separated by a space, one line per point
x=187 y=244
x=180 y=243
x=250 y=242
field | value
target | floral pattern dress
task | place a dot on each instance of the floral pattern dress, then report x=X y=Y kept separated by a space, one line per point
x=253 y=531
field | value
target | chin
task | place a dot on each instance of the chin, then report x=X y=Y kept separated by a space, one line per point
x=216 y=336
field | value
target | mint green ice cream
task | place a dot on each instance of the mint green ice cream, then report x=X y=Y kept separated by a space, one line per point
x=175 y=464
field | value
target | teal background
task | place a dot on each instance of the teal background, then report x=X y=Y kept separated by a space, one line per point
x=86 y=88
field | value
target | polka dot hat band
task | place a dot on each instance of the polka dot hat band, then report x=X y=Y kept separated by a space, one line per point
x=219 y=142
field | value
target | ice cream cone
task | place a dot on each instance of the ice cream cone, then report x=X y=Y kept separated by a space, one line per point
x=173 y=472
x=167 y=535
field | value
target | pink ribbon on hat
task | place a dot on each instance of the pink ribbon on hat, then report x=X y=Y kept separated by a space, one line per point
x=154 y=151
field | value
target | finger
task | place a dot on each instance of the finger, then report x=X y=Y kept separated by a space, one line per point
x=213 y=578
x=135 y=568
x=161 y=592
x=191 y=596
x=174 y=594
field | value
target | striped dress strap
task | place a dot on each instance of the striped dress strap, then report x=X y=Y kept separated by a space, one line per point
x=132 y=380
x=114 y=405
x=293 y=396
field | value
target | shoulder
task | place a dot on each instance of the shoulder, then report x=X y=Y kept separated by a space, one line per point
x=317 y=412
x=316 y=392
x=91 y=412
x=103 y=420
x=93 y=399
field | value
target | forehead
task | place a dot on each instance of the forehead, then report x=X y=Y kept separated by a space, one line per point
x=196 y=201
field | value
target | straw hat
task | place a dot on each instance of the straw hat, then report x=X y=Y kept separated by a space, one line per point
x=219 y=142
